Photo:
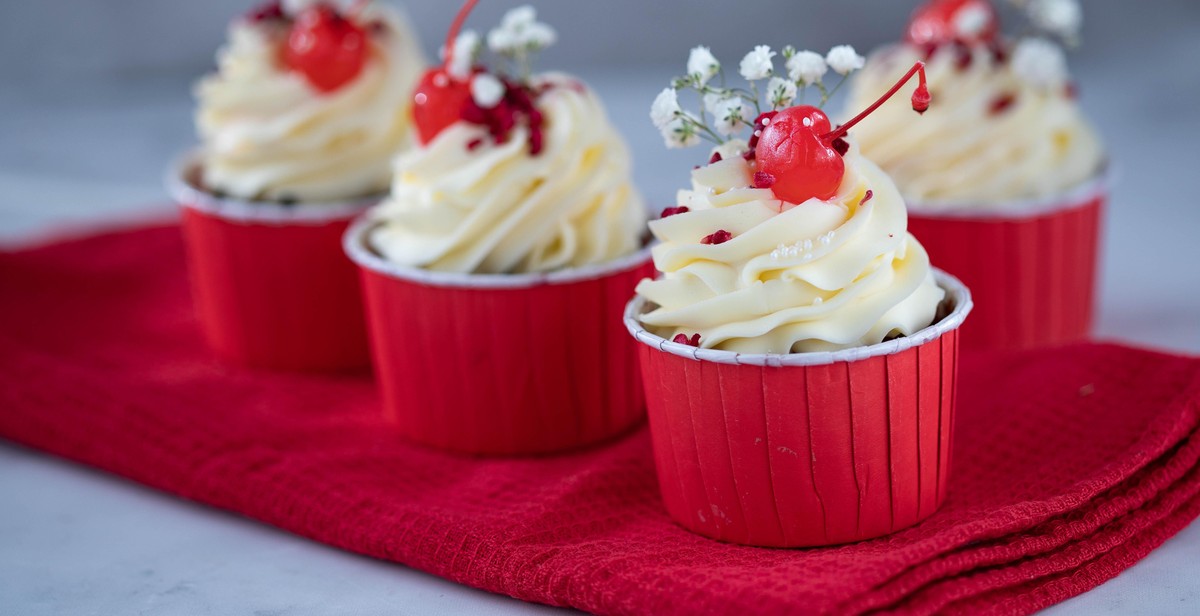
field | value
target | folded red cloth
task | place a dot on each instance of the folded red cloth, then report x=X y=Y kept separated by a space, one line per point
x=1069 y=464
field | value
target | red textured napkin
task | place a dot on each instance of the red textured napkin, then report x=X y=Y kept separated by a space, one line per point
x=1069 y=464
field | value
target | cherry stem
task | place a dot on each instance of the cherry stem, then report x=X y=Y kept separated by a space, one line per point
x=918 y=68
x=455 y=27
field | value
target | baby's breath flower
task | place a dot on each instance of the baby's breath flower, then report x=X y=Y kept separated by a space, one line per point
x=520 y=16
x=971 y=20
x=757 y=64
x=486 y=90
x=806 y=67
x=680 y=133
x=466 y=48
x=1040 y=62
x=731 y=115
x=844 y=60
x=702 y=65
x=780 y=92
x=665 y=108
x=714 y=98
x=295 y=7
x=519 y=32
x=1057 y=17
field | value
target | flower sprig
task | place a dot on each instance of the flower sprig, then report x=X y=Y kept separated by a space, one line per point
x=725 y=110
x=1060 y=19
x=514 y=42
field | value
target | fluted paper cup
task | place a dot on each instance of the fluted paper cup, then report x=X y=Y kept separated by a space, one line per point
x=271 y=284
x=1031 y=266
x=803 y=449
x=493 y=364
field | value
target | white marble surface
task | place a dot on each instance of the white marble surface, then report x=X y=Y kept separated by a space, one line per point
x=74 y=541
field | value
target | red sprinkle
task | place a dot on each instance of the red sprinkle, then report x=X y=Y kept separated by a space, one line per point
x=760 y=123
x=718 y=237
x=867 y=197
x=715 y=158
x=841 y=146
x=762 y=179
x=1001 y=104
x=694 y=340
x=518 y=104
x=999 y=52
x=268 y=11
x=671 y=211
x=1071 y=90
x=474 y=144
x=964 y=56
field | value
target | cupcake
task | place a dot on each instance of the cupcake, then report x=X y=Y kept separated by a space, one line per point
x=495 y=272
x=298 y=128
x=798 y=350
x=1005 y=178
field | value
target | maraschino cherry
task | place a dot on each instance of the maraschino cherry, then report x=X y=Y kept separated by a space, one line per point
x=440 y=97
x=326 y=47
x=800 y=152
x=945 y=21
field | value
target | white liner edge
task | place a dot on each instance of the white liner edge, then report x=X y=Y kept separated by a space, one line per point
x=1017 y=208
x=354 y=243
x=953 y=287
x=265 y=212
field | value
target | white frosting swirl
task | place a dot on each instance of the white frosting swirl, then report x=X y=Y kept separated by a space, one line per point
x=495 y=208
x=961 y=151
x=268 y=135
x=814 y=276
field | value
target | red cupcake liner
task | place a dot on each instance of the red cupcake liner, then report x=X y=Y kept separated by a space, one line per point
x=1033 y=275
x=805 y=449
x=271 y=284
x=503 y=364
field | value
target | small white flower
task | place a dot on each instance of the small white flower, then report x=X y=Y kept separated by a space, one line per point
x=665 y=108
x=486 y=90
x=520 y=16
x=781 y=92
x=971 y=20
x=844 y=60
x=1058 y=17
x=540 y=36
x=679 y=133
x=757 y=64
x=807 y=67
x=731 y=115
x=466 y=46
x=1040 y=62
x=712 y=99
x=519 y=31
x=702 y=65
x=295 y=7
x=501 y=41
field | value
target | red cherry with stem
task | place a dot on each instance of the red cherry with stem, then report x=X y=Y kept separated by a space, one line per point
x=440 y=97
x=944 y=21
x=791 y=150
x=325 y=47
x=797 y=147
